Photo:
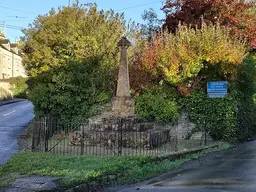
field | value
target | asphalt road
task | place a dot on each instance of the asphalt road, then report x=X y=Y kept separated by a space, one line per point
x=229 y=171
x=13 y=119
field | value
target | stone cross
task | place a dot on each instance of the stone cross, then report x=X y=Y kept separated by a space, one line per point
x=123 y=84
x=123 y=104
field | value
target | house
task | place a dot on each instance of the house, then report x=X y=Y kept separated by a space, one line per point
x=10 y=59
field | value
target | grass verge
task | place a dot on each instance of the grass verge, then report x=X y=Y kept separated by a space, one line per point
x=78 y=170
x=25 y=138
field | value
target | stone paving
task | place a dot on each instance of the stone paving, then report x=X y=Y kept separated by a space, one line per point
x=34 y=184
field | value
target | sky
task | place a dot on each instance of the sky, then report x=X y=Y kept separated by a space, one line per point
x=17 y=14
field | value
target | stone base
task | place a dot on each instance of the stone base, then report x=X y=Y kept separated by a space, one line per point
x=123 y=106
x=148 y=139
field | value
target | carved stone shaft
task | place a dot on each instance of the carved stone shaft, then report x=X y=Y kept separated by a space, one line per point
x=123 y=104
x=123 y=84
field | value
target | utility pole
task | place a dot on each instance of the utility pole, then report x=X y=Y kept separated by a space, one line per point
x=4 y=27
x=69 y=3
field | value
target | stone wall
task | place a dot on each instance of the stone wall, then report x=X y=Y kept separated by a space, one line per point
x=131 y=132
x=129 y=139
x=183 y=128
x=127 y=132
x=114 y=123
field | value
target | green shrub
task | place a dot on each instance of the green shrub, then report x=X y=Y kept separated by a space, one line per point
x=18 y=87
x=230 y=118
x=178 y=57
x=156 y=107
x=246 y=89
x=216 y=115
x=72 y=90
x=72 y=56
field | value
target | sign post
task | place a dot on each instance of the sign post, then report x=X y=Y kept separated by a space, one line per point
x=217 y=89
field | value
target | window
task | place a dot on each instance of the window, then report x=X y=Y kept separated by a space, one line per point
x=3 y=61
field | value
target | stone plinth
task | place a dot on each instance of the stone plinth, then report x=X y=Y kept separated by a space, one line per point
x=148 y=139
x=123 y=106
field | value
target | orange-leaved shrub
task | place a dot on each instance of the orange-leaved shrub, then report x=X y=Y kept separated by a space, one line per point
x=179 y=58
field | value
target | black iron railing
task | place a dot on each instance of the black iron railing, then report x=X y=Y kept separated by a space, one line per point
x=117 y=136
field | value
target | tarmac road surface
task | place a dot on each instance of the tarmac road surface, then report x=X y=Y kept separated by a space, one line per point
x=233 y=170
x=14 y=117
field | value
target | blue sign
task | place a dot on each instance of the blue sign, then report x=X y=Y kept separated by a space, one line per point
x=217 y=89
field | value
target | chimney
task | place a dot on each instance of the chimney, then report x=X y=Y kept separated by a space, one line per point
x=2 y=36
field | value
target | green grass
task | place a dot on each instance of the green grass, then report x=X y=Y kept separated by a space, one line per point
x=77 y=170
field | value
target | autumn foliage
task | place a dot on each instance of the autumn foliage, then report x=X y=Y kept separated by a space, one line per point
x=179 y=58
x=237 y=15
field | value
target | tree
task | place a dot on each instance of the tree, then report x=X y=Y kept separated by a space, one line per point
x=71 y=33
x=236 y=15
x=190 y=55
x=153 y=23
x=71 y=56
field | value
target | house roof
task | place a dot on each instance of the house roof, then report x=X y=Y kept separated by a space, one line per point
x=14 y=45
x=4 y=41
x=3 y=47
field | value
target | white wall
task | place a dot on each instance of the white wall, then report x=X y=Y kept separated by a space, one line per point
x=6 y=87
x=10 y=65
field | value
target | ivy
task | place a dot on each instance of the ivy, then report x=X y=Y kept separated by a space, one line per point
x=218 y=116
x=246 y=89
